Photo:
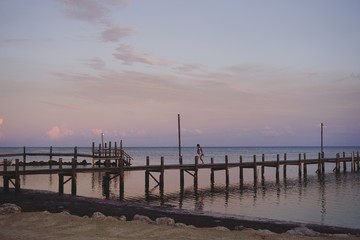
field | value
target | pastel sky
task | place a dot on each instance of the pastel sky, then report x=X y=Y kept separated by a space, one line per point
x=239 y=72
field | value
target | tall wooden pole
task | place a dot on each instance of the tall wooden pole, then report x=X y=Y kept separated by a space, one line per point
x=322 y=140
x=179 y=138
x=102 y=141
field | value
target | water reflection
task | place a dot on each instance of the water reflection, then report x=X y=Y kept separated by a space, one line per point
x=324 y=199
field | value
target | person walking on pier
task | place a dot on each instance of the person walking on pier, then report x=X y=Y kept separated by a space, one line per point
x=200 y=153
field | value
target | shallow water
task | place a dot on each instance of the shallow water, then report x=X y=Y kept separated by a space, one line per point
x=330 y=199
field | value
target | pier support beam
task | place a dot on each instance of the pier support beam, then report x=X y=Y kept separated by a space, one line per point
x=241 y=172
x=337 y=164
x=227 y=171
x=277 y=168
x=212 y=174
x=263 y=167
x=285 y=158
x=182 y=180
x=255 y=171
x=305 y=165
x=299 y=165
x=196 y=169
x=147 y=175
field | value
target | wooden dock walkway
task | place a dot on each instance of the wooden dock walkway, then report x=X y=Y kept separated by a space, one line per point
x=115 y=164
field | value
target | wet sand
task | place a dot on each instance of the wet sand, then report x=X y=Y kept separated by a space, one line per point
x=35 y=223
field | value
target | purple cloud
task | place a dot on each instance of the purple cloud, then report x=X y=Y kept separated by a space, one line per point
x=127 y=54
x=113 y=34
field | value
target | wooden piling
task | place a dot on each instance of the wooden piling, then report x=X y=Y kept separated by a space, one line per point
x=255 y=170
x=227 y=171
x=318 y=171
x=305 y=165
x=196 y=168
x=263 y=167
x=121 y=174
x=162 y=175
x=51 y=155
x=93 y=154
x=73 y=177
x=299 y=165
x=352 y=162
x=277 y=167
x=117 y=162
x=212 y=175
x=182 y=173
x=147 y=175
x=24 y=158
x=337 y=163
x=344 y=162
x=241 y=171
x=61 y=183
x=285 y=158
x=17 y=176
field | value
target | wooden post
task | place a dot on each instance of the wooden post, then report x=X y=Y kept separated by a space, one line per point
x=17 y=176
x=122 y=153
x=109 y=154
x=196 y=171
x=305 y=165
x=73 y=177
x=241 y=171
x=181 y=174
x=344 y=162
x=299 y=164
x=255 y=171
x=61 y=183
x=227 y=171
x=116 y=155
x=93 y=154
x=121 y=185
x=212 y=175
x=357 y=160
x=322 y=140
x=318 y=171
x=277 y=167
x=285 y=158
x=352 y=162
x=73 y=173
x=100 y=154
x=24 y=159
x=263 y=167
x=179 y=140
x=51 y=153
x=162 y=176
x=60 y=163
x=147 y=175
x=337 y=164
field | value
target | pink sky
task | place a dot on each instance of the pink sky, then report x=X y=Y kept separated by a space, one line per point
x=240 y=73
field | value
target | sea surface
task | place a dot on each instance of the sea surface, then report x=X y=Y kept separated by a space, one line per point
x=331 y=199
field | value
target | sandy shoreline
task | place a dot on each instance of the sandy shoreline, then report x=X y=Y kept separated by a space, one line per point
x=33 y=221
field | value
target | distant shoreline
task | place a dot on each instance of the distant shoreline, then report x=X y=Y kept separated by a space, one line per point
x=35 y=201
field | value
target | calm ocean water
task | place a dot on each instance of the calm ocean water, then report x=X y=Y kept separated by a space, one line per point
x=331 y=199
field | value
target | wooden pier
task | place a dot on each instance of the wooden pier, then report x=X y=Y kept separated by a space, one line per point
x=117 y=162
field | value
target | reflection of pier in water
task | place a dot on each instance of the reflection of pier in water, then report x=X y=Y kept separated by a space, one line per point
x=200 y=197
